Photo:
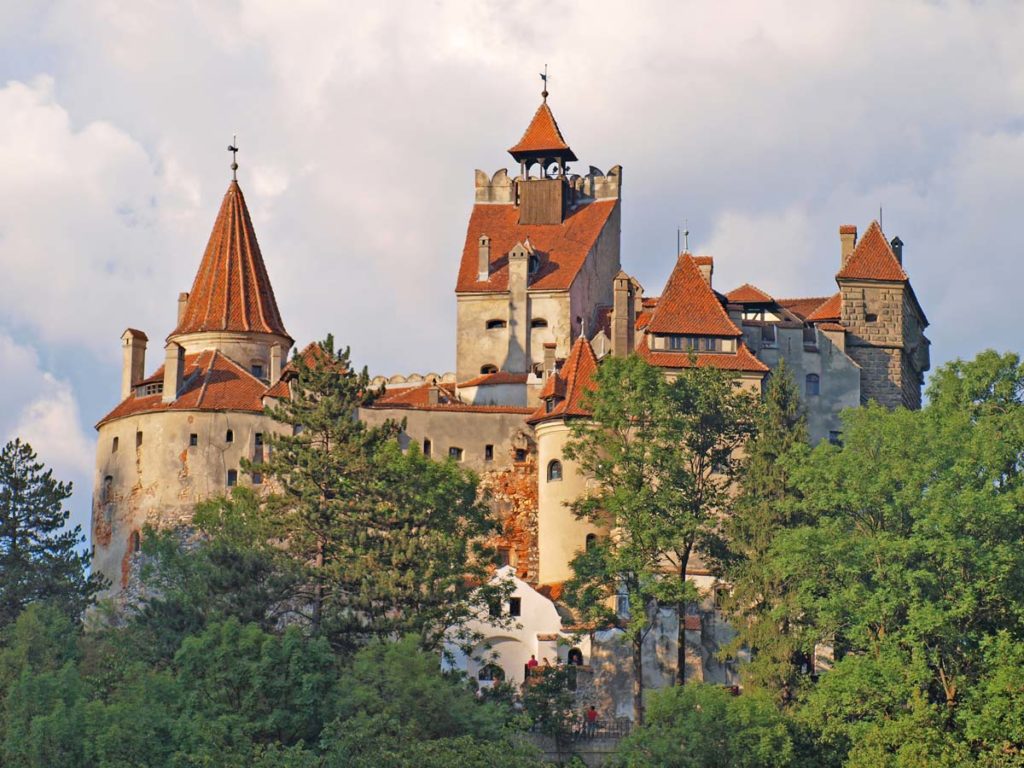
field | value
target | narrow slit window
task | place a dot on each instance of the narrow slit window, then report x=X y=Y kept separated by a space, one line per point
x=229 y=436
x=496 y=324
x=138 y=439
x=113 y=445
x=193 y=440
x=488 y=453
x=485 y=369
x=538 y=322
x=427 y=447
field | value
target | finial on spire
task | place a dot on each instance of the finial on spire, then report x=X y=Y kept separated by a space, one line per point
x=233 y=149
x=544 y=78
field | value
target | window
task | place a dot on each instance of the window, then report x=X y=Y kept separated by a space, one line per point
x=622 y=605
x=484 y=369
x=138 y=439
x=515 y=606
x=108 y=484
x=257 y=370
x=193 y=440
x=554 y=470
x=257 y=453
x=549 y=405
x=113 y=445
x=591 y=541
x=426 y=446
x=232 y=477
x=812 y=384
x=835 y=437
x=488 y=453
x=153 y=388
x=520 y=454
x=503 y=557
x=575 y=657
x=538 y=322
x=229 y=437
x=768 y=338
x=455 y=453
x=871 y=317
x=810 y=339
x=495 y=324
x=675 y=343
x=709 y=344
x=257 y=478
x=490 y=673
x=134 y=542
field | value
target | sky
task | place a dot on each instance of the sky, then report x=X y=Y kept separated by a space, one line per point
x=760 y=126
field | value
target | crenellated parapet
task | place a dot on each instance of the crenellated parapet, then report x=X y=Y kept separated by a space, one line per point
x=499 y=188
x=412 y=379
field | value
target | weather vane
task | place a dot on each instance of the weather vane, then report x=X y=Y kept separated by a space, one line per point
x=544 y=77
x=233 y=149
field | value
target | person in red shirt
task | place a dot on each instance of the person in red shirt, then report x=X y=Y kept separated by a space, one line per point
x=591 y=721
x=531 y=665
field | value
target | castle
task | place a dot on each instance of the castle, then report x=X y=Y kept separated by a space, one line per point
x=541 y=298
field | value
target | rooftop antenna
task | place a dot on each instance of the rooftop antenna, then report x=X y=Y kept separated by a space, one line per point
x=544 y=78
x=233 y=149
x=880 y=220
x=686 y=235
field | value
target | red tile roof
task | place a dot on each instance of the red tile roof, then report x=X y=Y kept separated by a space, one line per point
x=493 y=379
x=232 y=291
x=802 y=307
x=562 y=248
x=578 y=376
x=418 y=398
x=213 y=383
x=831 y=327
x=542 y=136
x=873 y=259
x=743 y=360
x=688 y=305
x=749 y=294
x=830 y=309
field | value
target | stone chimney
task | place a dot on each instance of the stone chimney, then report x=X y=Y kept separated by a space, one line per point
x=623 y=315
x=847 y=241
x=133 y=366
x=484 y=258
x=174 y=370
x=897 y=249
x=182 y=303
x=706 y=265
x=275 y=364
x=517 y=358
x=433 y=395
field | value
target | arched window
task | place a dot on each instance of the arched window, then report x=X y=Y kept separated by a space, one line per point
x=490 y=673
x=591 y=541
x=113 y=445
x=554 y=470
x=538 y=322
x=108 y=483
x=488 y=368
x=575 y=657
x=812 y=385
x=134 y=542
x=229 y=436
x=493 y=324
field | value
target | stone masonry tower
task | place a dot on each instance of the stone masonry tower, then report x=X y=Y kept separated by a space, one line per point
x=179 y=434
x=883 y=320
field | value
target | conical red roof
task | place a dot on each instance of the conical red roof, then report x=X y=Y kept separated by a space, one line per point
x=232 y=291
x=570 y=384
x=542 y=137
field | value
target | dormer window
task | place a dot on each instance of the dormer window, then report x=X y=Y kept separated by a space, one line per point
x=493 y=325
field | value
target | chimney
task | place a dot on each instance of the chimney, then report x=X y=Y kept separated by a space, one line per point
x=897 y=249
x=432 y=395
x=182 y=303
x=706 y=265
x=623 y=315
x=275 y=364
x=174 y=370
x=848 y=241
x=549 y=359
x=133 y=366
x=484 y=258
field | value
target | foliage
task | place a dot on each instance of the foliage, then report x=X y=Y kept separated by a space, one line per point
x=38 y=557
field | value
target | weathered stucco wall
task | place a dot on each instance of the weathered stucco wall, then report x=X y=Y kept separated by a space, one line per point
x=159 y=481
x=593 y=285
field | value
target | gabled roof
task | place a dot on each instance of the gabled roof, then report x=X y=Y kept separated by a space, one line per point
x=743 y=360
x=232 y=290
x=213 y=382
x=802 y=308
x=749 y=294
x=418 y=399
x=562 y=248
x=830 y=309
x=542 y=137
x=873 y=259
x=577 y=376
x=688 y=305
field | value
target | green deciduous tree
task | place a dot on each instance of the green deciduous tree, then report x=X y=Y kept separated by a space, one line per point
x=39 y=559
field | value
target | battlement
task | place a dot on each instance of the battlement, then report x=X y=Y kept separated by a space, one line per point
x=502 y=189
x=412 y=380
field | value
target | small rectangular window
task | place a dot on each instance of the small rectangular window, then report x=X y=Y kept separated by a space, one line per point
x=488 y=453
x=426 y=446
x=232 y=477
x=709 y=344
x=257 y=478
x=138 y=439
x=504 y=557
x=515 y=606
x=675 y=343
x=768 y=335
x=520 y=454
x=455 y=453
x=193 y=440
x=257 y=370
x=113 y=445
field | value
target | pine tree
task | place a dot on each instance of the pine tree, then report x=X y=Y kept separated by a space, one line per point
x=759 y=597
x=38 y=557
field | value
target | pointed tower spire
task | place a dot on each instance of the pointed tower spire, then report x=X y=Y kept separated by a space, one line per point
x=543 y=140
x=232 y=291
